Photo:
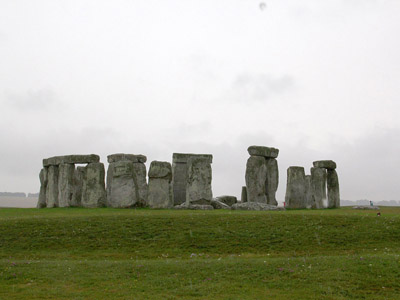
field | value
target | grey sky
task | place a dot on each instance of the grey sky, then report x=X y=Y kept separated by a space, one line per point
x=316 y=79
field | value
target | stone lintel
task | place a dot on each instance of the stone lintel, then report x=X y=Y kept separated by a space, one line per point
x=184 y=157
x=71 y=159
x=267 y=152
x=327 y=164
x=136 y=158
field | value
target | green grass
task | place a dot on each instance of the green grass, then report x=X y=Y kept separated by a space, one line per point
x=174 y=254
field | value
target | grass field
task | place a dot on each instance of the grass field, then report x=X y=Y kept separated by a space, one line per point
x=174 y=254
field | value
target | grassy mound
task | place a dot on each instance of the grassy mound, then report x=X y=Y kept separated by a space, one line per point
x=168 y=254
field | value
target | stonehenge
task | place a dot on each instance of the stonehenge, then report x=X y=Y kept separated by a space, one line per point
x=81 y=181
x=318 y=190
x=262 y=175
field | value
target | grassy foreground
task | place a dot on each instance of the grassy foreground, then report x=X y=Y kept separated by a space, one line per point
x=169 y=254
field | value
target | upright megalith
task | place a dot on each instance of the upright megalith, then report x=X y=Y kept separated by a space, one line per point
x=79 y=176
x=333 y=189
x=65 y=184
x=262 y=174
x=93 y=189
x=318 y=187
x=126 y=180
x=243 y=196
x=43 y=185
x=160 y=187
x=52 y=187
x=199 y=177
x=309 y=199
x=180 y=174
x=296 y=188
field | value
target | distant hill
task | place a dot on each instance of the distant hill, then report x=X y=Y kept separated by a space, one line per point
x=34 y=195
x=366 y=202
x=8 y=194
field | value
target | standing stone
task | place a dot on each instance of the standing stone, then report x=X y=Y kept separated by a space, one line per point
x=139 y=176
x=199 y=177
x=43 y=185
x=180 y=174
x=121 y=188
x=318 y=187
x=309 y=199
x=93 y=190
x=296 y=188
x=256 y=176
x=333 y=189
x=79 y=175
x=65 y=184
x=272 y=180
x=160 y=188
x=243 y=196
x=52 y=187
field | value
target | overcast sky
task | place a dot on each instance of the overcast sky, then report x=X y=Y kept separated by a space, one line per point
x=316 y=79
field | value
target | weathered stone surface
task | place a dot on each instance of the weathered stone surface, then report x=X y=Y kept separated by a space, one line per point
x=327 y=164
x=93 y=190
x=255 y=206
x=267 y=152
x=136 y=158
x=366 y=207
x=243 y=196
x=199 y=177
x=218 y=204
x=121 y=188
x=228 y=200
x=160 y=169
x=309 y=198
x=184 y=157
x=139 y=176
x=160 y=193
x=333 y=189
x=52 y=187
x=194 y=206
x=71 y=159
x=256 y=176
x=65 y=184
x=272 y=181
x=318 y=187
x=79 y=176
x=43 y=185
x=295 y=188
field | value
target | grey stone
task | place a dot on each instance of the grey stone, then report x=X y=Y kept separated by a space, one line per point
x=43 y=185
x=256 y=176
x=199 y=177
x=184 y=157
x=79 y=176
x=267 y=152
x=255 y=206
x=296 y=188
x=52 y=187
x=327 y=164
x=139 y=176
x=71 y=159
x=194 y=206
x=272 y=181
x=218 y=204
x=65 y=184
x=121 y=188
x=318 y=187
x=93 y=190
x=309 y=198
x=333 y=189
x=136 y=158
x=228 y=200
x=243 y=196
x=160 y=169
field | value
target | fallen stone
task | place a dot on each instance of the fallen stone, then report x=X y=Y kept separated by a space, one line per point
x=272 y=181
x=228 y=200
x=327 y=164
x=193 y=206
x=333 y=189
x=219 y=205
x=160 y=169
x=136 y=158
x=296 y=188
x=243 y=196
x=93 y=190
x=267 y=152
x=71 y=159
x=366 y=207
x=65 y=184
x=199 y=177
x=43 y=185
x=318 y=187
x=256 y=176
x=52 y=187
x=255 y=206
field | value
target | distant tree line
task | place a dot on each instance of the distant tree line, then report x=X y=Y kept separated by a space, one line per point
x=18 y=194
